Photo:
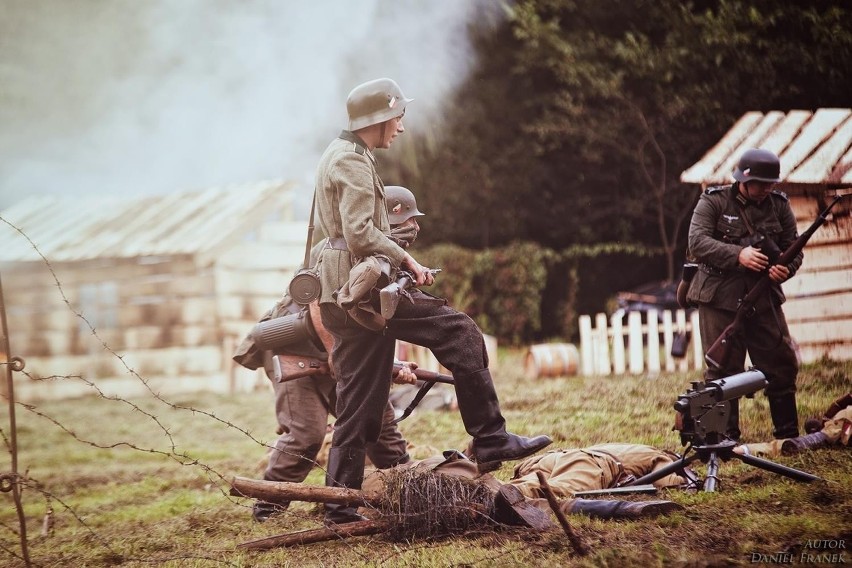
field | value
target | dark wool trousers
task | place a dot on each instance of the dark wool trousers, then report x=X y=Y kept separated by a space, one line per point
x=363 y=360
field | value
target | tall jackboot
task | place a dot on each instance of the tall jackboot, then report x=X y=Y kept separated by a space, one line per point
x=480 y=412
x=614 y=509
x=345 y=469
x=785 y=416
x=807 y=442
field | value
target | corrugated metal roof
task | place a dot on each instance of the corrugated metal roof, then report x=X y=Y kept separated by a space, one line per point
x=814 y=147
x=66 y=229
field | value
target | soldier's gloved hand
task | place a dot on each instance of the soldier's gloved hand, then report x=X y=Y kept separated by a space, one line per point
x=405 y=375
x=404 y=234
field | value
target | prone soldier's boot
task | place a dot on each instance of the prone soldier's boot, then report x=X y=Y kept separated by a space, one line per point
x=807 y=442
x=614 y=509
x=480 y=412
x=785 y=416
x=345 y=469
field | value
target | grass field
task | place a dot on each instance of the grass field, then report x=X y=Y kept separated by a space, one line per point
x=145 y=482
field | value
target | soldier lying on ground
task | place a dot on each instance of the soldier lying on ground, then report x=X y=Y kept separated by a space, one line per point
x=834 y=427
x=567 y=472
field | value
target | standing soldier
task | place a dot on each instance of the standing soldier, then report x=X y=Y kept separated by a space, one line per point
x=302 y=406
x=353 y=214
x=736 y=235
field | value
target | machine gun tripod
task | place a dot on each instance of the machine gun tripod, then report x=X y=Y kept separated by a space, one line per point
x=704 y=412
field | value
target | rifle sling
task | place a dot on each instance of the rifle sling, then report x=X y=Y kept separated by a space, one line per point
x=415 y=401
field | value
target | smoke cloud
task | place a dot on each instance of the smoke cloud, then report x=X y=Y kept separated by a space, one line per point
x=160 y=96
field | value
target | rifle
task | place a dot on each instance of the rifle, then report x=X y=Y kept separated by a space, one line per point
x=291 y=367
x=718 y=354
x=390 y=295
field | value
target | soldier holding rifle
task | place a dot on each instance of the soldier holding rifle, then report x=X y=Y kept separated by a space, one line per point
x=353 y=214
x=736 y=234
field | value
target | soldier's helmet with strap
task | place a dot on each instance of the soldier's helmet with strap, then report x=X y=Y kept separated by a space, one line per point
x=401 y=203
x=758 y=165
x=374 y=102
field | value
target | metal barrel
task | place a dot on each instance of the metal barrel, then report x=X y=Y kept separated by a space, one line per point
x=742 y=384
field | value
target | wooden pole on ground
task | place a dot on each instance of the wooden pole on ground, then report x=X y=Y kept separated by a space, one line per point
x=280 y=491
x=578 y=545
x=360 y=528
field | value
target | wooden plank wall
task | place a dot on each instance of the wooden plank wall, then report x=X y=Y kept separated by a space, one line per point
x=819 y=298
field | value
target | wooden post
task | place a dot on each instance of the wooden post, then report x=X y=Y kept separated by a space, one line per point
x=680 y=319
x=586 y=345
x=668 y=339
x=602 y=365
x=697 y=348
x=653 y=343
x=634 y=342
x=618 y=365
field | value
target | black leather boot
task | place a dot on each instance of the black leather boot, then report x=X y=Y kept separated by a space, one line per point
x=785 y=416
x=614 y=509
x=808 y=442
x=480 y=412
x=345 y=469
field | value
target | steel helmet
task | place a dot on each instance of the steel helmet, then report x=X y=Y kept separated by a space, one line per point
x=760 y=165
x=401 y=204
x=374 y=102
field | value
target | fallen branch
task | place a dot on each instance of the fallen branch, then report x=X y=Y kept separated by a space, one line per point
x=361 y=528
x=283 y=491
x=576 y=542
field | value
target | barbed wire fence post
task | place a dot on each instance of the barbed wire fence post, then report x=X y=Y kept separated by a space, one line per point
x=11 y=481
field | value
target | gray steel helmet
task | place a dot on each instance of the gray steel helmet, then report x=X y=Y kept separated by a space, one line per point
x=374 y=102
x=401 y=204
x=758 y=165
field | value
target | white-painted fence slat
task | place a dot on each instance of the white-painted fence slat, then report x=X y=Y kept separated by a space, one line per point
x=636 y=348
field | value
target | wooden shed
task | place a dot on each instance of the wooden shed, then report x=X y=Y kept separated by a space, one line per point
x=815 y=149
x=152 y=292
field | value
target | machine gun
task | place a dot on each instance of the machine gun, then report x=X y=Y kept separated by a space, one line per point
x=390 y=295
x=718 y=354
x=703 y=413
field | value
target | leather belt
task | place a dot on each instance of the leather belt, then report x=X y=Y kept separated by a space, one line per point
x=712 y=270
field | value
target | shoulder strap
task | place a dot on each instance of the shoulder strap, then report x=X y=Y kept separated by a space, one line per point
x=306 y=264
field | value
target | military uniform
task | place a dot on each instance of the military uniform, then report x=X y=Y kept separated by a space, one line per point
x=566 y=472
x=352 y=211
x=603 y=466
x=721 y=221
x=302 y=407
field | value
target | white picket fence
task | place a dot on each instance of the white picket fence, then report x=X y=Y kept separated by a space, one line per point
x=603 y=350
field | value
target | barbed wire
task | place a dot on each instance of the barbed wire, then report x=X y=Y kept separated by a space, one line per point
x=183 y=458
